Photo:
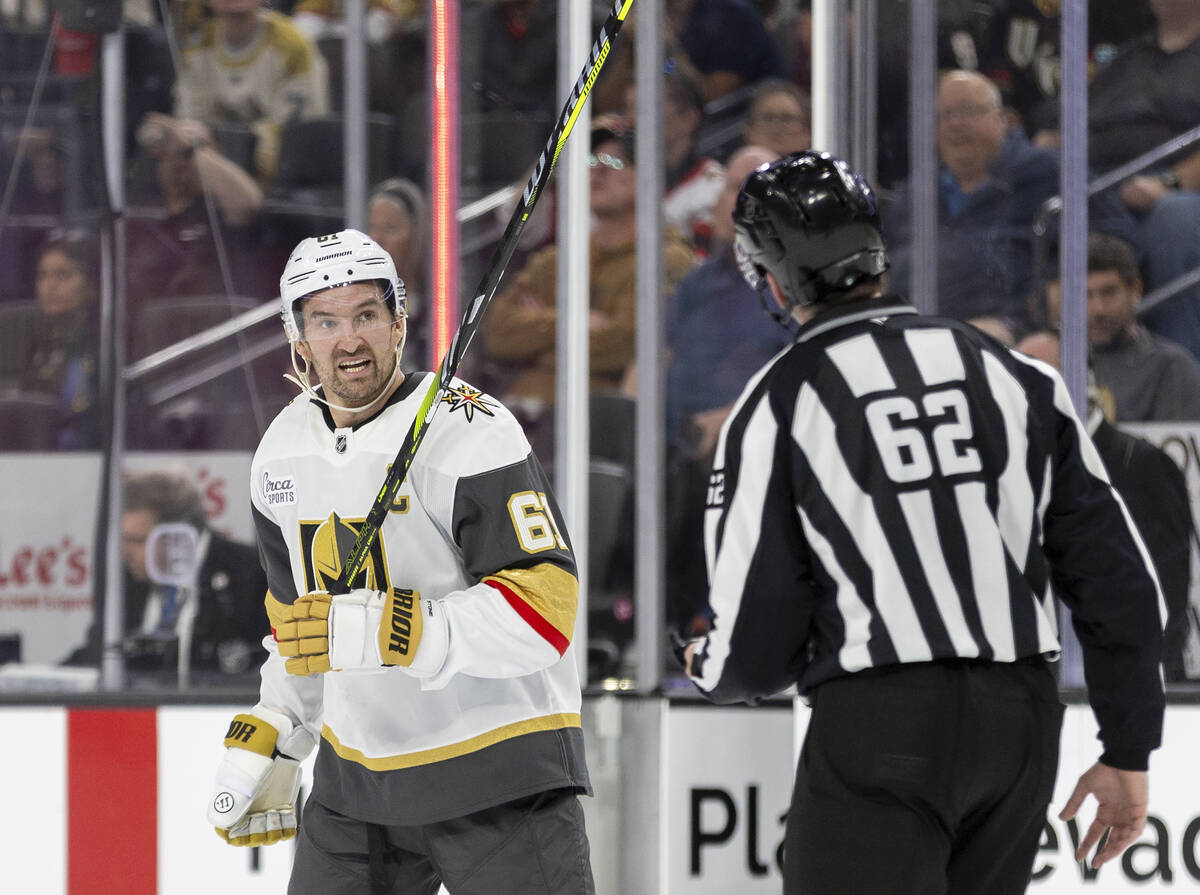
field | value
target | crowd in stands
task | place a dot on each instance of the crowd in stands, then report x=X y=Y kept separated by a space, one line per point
x=234 y=154
x=398 y=219
x=712 y=309
x=57 y=365
x=522 y=322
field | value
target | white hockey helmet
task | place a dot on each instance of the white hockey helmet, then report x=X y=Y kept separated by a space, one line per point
x=324 y=262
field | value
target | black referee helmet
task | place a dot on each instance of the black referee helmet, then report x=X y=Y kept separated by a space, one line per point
x=810 y=221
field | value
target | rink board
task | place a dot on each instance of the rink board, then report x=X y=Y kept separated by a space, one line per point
x=104 y=800
x=48 y=548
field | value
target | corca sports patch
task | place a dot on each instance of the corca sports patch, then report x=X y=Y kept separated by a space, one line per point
x=278 y=491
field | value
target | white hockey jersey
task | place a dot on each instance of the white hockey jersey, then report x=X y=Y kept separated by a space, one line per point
x=474 y=526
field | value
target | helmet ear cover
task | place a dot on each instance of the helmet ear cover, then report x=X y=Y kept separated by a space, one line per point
x=337 y=259
x=812 y=223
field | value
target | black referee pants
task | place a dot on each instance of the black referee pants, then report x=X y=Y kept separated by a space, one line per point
x=929 y=779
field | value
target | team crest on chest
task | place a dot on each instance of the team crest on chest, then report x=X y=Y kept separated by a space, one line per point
x=469 y=400
x=325 y=544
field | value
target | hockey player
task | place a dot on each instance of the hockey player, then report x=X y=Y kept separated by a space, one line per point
x=895 y=503
x=442 y=689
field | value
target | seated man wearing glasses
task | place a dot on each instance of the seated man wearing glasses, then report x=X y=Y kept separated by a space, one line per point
x=991 y=183
x=520 y=332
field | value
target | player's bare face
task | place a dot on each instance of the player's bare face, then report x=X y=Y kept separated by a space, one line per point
x=350 y=338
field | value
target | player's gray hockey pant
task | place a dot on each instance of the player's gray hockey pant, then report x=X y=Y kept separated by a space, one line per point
x=533 y=846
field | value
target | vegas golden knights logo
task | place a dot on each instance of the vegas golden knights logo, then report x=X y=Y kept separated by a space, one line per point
x=327 y=543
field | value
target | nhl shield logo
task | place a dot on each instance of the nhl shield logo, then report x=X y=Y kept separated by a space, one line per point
x=339 y=442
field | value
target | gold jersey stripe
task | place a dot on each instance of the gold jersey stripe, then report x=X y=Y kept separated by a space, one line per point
x=549 y=590
x=441 y=753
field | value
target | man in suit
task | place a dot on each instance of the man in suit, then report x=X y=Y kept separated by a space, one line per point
x=210 y=610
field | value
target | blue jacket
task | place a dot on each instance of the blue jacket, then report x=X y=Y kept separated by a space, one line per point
x=719 y=336
x=985 y=249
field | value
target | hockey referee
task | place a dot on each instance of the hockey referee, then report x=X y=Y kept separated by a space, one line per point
x=896 y=502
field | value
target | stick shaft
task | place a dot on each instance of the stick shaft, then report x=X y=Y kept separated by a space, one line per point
x=483 y=295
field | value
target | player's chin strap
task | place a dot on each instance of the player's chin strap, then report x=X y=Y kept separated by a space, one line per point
x=301 y=379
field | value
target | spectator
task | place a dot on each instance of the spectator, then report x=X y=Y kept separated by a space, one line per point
x=251 y=66
x=1018 y=44
x=1149 y=376
x=692 y=180
x=326 y=18
x=30 y=13
x=613 y=90
x=522 y=324
x=63 y=351
x=779 y=117
x=712 y=309
x=1155 y=491
x=41 y=178
x=192 y=163
x=519 y=56
x=172 y=249
x=510 y=59
x=990 y=186
x=215 y=621
x=398 y=219
x=791 y=30
x=1142 y=98
x=219 y=621
x=726 y=40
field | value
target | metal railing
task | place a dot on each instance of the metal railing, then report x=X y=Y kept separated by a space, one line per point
x=1044 y=219
x=235 y=326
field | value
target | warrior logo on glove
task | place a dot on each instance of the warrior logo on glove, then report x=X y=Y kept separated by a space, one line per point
x=402 y=623
x=363 y=629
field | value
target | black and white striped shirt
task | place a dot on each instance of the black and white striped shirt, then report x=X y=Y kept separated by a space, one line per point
x=897 y=488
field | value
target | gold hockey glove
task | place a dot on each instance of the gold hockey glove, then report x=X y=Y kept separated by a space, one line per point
x=254 y=798
x=364 y=630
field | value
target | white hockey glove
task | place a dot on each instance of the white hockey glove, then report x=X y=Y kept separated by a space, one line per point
x=254 y=799
x=364 y=629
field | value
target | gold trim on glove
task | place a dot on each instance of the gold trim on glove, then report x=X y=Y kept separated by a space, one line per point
x=302 y=632
x=252 y=733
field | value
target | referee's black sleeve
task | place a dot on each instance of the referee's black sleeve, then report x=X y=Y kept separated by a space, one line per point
x=1102 y=571
x=765 y=559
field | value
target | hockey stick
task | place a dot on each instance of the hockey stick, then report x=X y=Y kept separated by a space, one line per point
x=483 y=296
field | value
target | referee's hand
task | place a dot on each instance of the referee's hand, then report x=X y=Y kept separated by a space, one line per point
x=1121 y=803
